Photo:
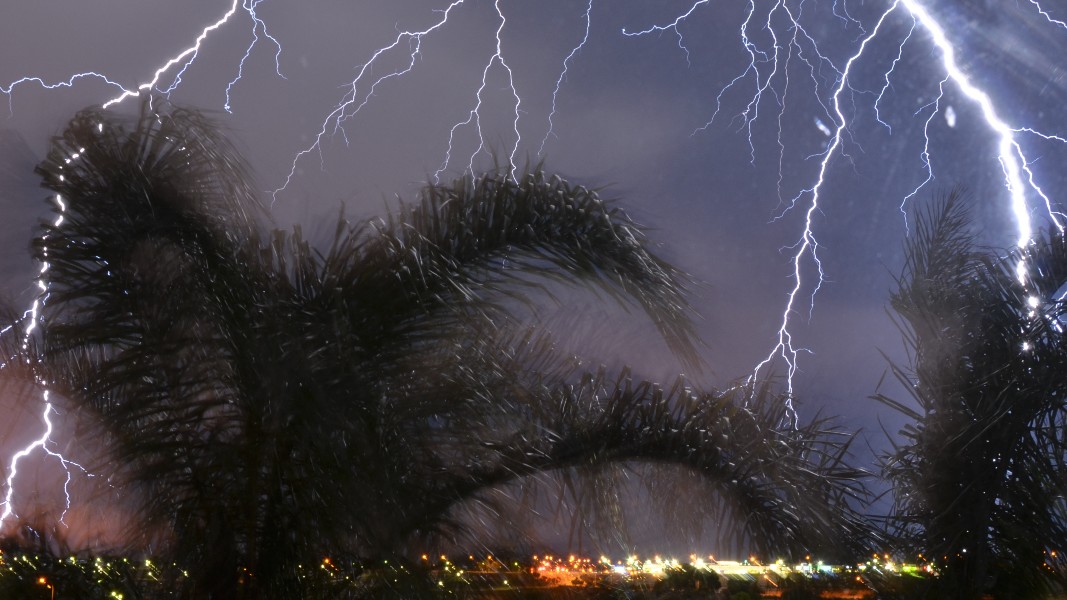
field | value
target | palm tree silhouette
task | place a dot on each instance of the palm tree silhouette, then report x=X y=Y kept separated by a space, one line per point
x=979 y=471
x=272 y=404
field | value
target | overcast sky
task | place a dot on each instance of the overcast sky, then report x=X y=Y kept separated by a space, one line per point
x=710 y=167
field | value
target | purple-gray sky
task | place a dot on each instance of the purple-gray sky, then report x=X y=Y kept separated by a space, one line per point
x=632 y=113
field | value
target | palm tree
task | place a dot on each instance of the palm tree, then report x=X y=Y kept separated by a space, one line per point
x=271 y=403
x=979 y=474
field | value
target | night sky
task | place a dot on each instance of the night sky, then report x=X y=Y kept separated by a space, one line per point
x=701 y=138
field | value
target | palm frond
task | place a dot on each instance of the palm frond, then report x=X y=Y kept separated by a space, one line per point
x=481 y=241
x=978 y=467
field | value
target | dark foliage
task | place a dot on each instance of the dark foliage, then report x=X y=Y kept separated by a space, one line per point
x=272 y=404
x=979 y=472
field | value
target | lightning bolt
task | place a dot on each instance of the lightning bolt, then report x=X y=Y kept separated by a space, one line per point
x=1017 y=173
x=563 y=75
x=185 y=58
x=363 y=88
x=672 y=26
x=764 y=77
x=42 y=442
x=807 y=246
x=354 y=100
x=10 y=88
x=1045 y=13
x=475 y=116
x=768 y=75
x=257 y=26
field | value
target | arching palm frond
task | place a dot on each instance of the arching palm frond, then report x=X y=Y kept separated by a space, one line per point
x=490 y=235
x=270 y=403
x=498 y=411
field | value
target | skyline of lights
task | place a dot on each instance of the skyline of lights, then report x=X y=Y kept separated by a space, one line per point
x=775 y=38
x=121 y=575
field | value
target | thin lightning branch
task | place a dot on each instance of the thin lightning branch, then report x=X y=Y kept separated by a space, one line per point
x=475 y=116
x=563 y=75
x=751 y=112
x=673 y=26
x=888 y=74
x=752 y=66
x=1045 y=14
x=800 y=35
x=8 y=91
x=186 y=58
x=925 y=156
x=844 y=16
x=257 y=25
x=344 y=109
x=43 y=441
x=768 y=70
x=807 y=246
x=757 y=57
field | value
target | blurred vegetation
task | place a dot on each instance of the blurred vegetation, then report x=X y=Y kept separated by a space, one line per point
x=269 y=403
x=979 y=469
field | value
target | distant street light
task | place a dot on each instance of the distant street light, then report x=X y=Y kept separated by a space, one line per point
x=41 y=580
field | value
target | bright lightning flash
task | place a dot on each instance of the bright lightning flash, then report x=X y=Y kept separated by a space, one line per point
x=185 y=58
x=768 y=69
x=32 y=316
x=768 y=74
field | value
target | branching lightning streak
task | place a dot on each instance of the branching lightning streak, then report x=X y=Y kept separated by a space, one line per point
x=924 y=157
x=46 y=437
x=475 y=116
x=257 y=25
x=188 y=56
x=563 y=75
x=1044 y=13
x=1012 y=160
x=342 y=111
x=844 y=16
x=673 y=26
x=763 y=67
x=794 y=42
x=888 y=74
x=808 y=245
x=757 y=57
x=8 y=91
